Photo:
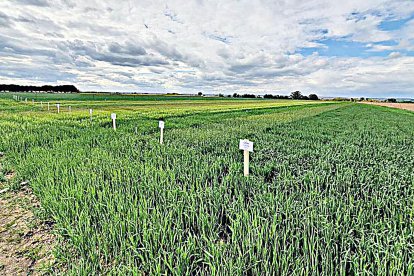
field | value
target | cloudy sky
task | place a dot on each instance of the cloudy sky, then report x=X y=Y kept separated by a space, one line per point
x=332 y=48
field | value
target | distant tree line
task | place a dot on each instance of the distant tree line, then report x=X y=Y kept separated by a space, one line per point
x=297 y=95
x=32 y=88
x=280 y=97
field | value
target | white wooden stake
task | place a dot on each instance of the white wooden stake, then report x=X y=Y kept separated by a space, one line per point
x=161 y=126
x=25 y=100
x=48 y=106
x=113 y=117
x=247 y=147
x=70 y=108
x=90 y=113
x=246 y=162
x=136 y=130
x=58 y=107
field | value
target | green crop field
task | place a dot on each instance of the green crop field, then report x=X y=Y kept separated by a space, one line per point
x=330 y=190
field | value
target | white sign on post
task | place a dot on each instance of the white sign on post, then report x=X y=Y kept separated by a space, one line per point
x=58 y=108
x=246 y=146
x=113 y=117
x=161 y=126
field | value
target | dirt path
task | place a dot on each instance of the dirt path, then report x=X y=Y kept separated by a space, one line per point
x=26 y=243
x=406 y=106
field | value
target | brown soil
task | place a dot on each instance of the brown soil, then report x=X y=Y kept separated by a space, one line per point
x=406 y=106
x=26 y=243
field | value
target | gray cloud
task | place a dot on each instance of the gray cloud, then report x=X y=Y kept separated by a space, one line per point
x=4 y=20
x=39 y=3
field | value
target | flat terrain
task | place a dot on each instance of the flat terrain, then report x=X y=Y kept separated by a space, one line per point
x=406 y=106
x=331 y=189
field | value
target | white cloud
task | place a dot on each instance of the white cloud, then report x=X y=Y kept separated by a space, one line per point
x=226 y=46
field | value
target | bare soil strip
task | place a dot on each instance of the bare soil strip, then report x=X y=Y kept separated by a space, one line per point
x=26 y=243
x=406 y=106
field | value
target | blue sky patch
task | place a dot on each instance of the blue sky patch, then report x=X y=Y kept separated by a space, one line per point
x=341 y=48
x=392 y=25
x=344 y=48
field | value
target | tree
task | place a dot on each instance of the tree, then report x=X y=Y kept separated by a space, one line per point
x=297 y=95
x=44 y=88
x=200 y=93
x=313 y=97
x=235 y=95
x=392 y=100
x=251 y=96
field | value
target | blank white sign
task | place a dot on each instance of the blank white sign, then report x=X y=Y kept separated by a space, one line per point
x=113 y=116
x=161 y=124
x=246 y=145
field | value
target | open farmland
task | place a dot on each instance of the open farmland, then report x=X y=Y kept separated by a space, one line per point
x=330 y=191
x=406 y=106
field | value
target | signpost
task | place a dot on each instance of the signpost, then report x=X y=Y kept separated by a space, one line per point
x=246 y=146
x=113 y=117
x=161 y=126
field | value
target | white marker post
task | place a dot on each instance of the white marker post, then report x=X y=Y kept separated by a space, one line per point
x=90 y=113
x=161 y=126
x=41 y=105
x=58 y=107
x=48 y=106
x=25 y=100
x=247 y=147
x=32 y=101
x=136 y=130
x=70 y=108
x=113 y=117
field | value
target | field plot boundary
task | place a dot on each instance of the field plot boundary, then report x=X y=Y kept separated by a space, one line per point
x=26 y=242
x=402 y=106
